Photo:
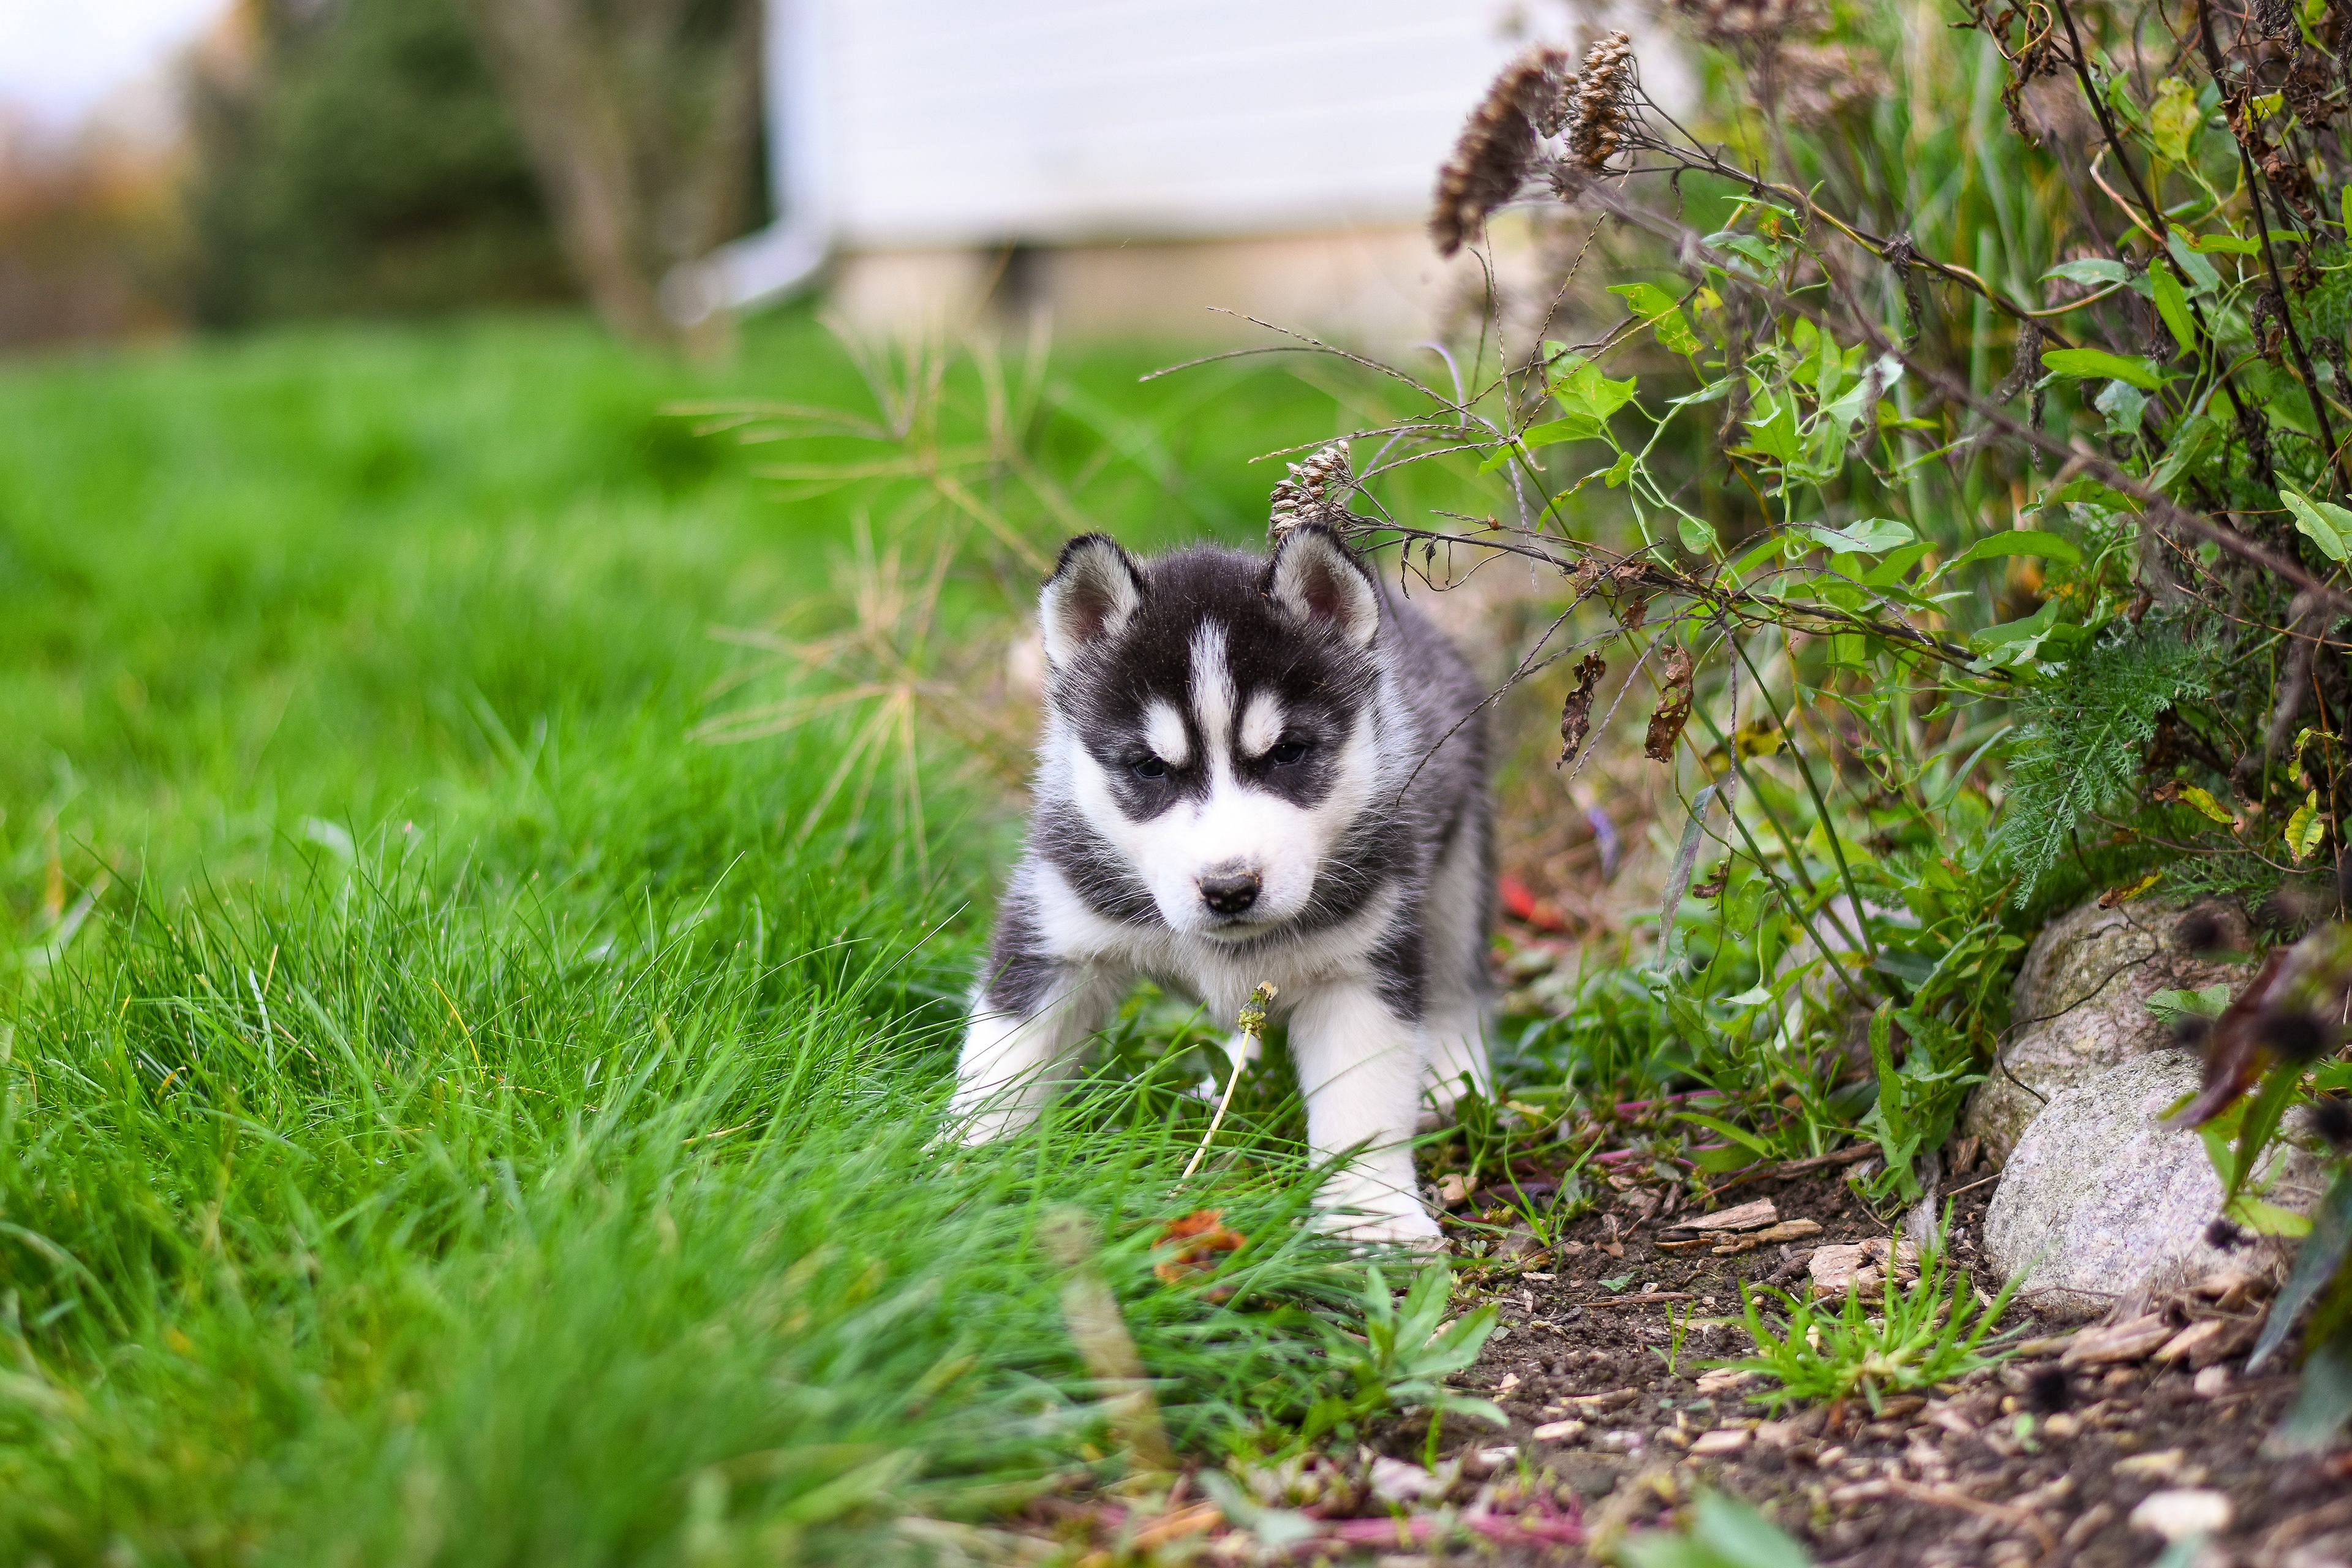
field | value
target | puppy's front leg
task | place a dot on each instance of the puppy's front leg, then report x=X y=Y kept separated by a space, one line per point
x=1019 y=1041
x=1360 y=1067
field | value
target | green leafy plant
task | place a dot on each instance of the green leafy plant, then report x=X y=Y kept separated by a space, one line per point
x=2079 y=742
x=1724 y=1533
x=1403 y=1357
x=1910 y=1337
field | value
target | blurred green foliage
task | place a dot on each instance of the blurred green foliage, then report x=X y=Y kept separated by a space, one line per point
x=363 y=163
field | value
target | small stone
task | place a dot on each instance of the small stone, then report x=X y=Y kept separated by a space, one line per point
x=1559 y=1431
x=1619 y=1442
x=2161 y=1465
x=1722 y=1440
x=2049 y=1494
x=2210 y=1382
x=1608 y=1401
x=1510 y=1381
x=2095 y=1518
x=1951 y=1419
x=1723 y=1379
x=2183 y=1510
x=1487 y=1461
x=1400 y=1481
x=1778 y=1434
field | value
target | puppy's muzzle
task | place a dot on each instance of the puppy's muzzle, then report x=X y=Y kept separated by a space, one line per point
x=1229 y=892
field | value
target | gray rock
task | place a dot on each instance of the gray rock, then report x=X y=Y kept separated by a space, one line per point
x=2101 y=1200
x=2079 y=1006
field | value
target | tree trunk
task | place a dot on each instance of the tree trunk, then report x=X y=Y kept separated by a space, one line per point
x=641 y=117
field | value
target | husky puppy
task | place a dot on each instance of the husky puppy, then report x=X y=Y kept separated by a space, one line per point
x=1253 y=770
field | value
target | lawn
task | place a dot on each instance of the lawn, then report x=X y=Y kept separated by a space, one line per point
x=450 y=1113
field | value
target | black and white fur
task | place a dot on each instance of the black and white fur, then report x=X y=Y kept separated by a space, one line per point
x=1242 y=779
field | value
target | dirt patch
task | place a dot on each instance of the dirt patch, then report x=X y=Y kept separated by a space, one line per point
x=2042 y=1460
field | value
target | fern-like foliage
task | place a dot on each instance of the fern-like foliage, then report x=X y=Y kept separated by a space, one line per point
x=2080 y=738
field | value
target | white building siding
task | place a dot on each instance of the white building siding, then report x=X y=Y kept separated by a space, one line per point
x=1073 y=120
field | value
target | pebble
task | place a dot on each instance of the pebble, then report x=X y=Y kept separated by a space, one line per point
x=1559 y=1431
x=2210 y=1382
x=1723 y=1440
x=2183 y=1510
x=1400 y=1481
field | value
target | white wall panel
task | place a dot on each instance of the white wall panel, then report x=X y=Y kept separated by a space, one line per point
x=1057 y=120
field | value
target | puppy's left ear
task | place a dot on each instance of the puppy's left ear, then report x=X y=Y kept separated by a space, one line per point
x=1094 y=592
x=1317 y=581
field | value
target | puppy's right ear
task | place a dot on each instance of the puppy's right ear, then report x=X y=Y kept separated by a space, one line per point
x=1094 y=590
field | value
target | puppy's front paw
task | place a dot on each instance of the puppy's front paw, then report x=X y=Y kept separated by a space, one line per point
x=1357 y=1209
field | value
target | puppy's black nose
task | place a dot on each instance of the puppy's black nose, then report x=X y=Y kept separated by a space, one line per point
x=1231 y=892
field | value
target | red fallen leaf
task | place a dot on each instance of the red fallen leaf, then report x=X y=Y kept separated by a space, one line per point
x=1198 y=1238
x=1521 y=904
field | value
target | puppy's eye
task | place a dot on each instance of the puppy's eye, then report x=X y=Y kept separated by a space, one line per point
x=1148 y=767
x=1287 y=753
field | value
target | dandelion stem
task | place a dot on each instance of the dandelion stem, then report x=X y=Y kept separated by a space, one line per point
x=1251 y=1023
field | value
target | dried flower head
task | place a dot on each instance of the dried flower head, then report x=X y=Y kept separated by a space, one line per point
x=2200 y=930
x=2311 y=83
x=1751 y=24
x=1602 y=118
x=2298 y=1035
x=1818 y=82
x=1315 y=493
x=1497 y=143
x=2332 y=1119
x=2047 y=1391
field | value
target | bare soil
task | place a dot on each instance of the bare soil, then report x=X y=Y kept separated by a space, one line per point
x=2035 y=1461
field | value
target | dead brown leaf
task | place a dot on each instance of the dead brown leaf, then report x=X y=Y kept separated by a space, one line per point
x=1673 y=708
x=1199 y=1239
x=1576 y=713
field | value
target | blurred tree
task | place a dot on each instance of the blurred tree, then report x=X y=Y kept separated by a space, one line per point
x=353 y=157
x=89 y=237
x=643 y=120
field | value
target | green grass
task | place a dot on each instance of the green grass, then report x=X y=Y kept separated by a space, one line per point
x=446 y=1114
x=1938 y=1327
